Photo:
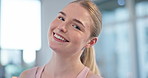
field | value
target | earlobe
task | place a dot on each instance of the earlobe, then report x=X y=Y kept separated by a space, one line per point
x=92 y=42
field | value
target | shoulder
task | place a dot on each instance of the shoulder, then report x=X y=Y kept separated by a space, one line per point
x=92 y=75
x=28 y=73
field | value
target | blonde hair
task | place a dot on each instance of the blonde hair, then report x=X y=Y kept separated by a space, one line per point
x=88 y=55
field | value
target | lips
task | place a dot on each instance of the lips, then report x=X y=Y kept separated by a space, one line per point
x=60 y=38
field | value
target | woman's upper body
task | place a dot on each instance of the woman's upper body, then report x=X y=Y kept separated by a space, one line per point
x=71 y=35
x=37 y=72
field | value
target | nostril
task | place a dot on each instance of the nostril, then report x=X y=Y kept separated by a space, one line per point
x=62 y=29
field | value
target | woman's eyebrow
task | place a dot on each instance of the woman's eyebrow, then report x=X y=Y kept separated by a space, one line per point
x=62 y=13
x=79 y=22
x=73 y=19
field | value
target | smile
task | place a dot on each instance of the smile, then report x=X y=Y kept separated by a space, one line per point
x=59 y=38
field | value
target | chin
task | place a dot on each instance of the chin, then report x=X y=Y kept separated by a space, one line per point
x=54 y=47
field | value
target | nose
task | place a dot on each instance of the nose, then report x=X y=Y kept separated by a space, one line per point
x=62 y=27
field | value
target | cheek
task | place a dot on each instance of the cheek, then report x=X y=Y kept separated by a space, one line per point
x=51 y=28
x=53 y=24
x=79 y=40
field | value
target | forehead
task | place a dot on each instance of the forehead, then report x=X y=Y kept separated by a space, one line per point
x=76 y=11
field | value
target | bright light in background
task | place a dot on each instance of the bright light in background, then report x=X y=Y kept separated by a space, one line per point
x=29 y=56
x=21 y=24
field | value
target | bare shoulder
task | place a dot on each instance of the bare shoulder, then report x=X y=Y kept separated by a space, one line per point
x=92 y=75
x=28 y=73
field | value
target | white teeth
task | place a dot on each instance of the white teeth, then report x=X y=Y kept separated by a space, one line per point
x=58 y=37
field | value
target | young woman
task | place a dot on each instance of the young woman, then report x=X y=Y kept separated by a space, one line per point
x=71 y=37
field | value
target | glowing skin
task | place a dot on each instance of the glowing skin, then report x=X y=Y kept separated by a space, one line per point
x=69 y=33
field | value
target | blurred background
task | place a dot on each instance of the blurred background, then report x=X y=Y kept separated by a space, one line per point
x=121 y=52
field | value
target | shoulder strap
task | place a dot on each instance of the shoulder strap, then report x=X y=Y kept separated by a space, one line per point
x=39 y=71
x=83 y=73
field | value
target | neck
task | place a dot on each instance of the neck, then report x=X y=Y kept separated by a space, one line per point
x=60 y=66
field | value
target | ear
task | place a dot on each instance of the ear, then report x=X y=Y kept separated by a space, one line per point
x=91 y=42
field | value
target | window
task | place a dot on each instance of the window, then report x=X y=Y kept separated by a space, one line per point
x=20 y=31
x=21 y=24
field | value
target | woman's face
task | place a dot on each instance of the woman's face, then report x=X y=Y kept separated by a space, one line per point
x=70 y=31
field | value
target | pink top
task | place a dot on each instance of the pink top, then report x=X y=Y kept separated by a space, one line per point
x=36 y=72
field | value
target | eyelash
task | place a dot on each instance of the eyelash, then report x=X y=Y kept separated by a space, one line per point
x=61 y=18
x=77 y=27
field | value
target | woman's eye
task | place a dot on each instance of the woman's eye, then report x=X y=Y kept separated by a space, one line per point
x=77 y=27
x=61 y=18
